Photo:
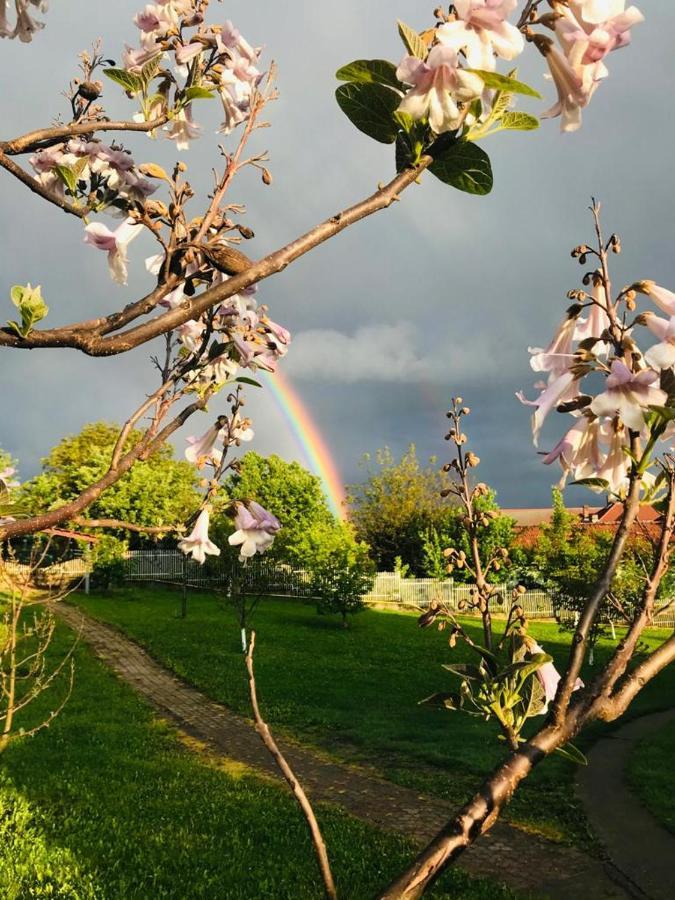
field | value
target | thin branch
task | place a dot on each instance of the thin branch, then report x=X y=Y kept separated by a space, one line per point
x=6 y=163
x=46 y=137
x=94 y=345
x=306 y=807
x=127 y=526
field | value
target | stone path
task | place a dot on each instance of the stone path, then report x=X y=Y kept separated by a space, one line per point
x=538 y=867
x=635 y=841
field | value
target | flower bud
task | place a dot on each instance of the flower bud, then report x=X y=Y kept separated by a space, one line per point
x=266 y=177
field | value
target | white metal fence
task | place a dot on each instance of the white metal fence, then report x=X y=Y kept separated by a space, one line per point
x=389 y=589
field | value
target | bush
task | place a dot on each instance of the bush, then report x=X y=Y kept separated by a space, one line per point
x=107 y=561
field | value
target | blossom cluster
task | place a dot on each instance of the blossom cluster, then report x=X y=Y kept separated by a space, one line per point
x=25 y=25
x=104 y=177
x=616 y=393
x=467 y=45
x=587 y=32
x=205 y=61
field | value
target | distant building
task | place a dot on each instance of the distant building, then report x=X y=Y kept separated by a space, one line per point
x=528 y=521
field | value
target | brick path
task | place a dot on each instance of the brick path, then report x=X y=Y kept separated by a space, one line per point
x=630 y=832
x=525 y=862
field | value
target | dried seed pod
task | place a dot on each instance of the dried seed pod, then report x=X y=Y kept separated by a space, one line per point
x=226 y=259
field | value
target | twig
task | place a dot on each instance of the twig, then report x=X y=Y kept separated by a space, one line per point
x=266 y=737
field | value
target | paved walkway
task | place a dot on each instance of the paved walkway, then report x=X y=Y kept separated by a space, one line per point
x=635 y=841
x=539 y=867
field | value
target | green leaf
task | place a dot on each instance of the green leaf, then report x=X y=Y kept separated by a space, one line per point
x=504 y=83
x=464 y=166
x=370 y=71
x=196 y=92
x=518 y=121
x=466 y=670
x=667 y=413
x=28 y=300
x=130 y=82
x=243 y=380
x=67 y=176
x=371 y=108
x=598 y=484
x=447 y=699
x=569 y=751
x=413 y=42
x=150 y=69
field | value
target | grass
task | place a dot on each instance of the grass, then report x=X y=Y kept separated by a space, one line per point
x=355 y=693
x=651 y=775
x=106 y=803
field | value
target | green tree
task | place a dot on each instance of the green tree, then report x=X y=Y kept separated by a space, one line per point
x=340 y=567
x=396 y=506
x=291 y=493
x=158 y=491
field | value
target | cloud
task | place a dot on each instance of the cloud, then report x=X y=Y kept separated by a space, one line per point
x=390 y=353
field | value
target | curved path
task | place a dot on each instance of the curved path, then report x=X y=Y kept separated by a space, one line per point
x=531 y=864
x=640 y=850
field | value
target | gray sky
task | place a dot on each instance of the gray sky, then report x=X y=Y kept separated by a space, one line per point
x=440 y=294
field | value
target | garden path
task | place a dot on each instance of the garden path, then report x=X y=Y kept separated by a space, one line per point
x=634 y=839
x=525 y=862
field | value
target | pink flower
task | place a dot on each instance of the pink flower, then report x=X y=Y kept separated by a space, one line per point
x=597 y=320
x=481 y=31
x=6 y=480
x=662 y=355
x=591 y=30
x=197 y=544
x=182 y=129
x=579 y=450
x=614 y=470
x=115 y=244
x=548 y=676
x=559 y=389
x=203 y=449
x=438 y=85
x=629 y=395
x=256 y=529
x=559 y=354
x=664 y=299
x=573 y=94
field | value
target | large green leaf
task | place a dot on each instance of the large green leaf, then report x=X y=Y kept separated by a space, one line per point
x=130 y=82
x=464 y=166
x=370 y=71
x=413 y=42
x=371 y=108
x=504 y=83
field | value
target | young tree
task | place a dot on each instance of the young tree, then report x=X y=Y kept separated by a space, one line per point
x=155 y=494
x=341 y=570
x=291 y=493
x=395 y=507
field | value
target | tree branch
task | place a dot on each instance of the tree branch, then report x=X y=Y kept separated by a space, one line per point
x=94 y=344
x=46 y=137
x=10 y=166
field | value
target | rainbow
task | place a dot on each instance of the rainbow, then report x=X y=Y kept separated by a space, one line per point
x=315 y=450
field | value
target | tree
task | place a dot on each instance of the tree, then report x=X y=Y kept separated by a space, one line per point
x=291 y=493
x=395 y=507
x=340 y=567
x=431 y=109
x=160 y=491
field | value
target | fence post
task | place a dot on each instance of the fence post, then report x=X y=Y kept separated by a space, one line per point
x=183 y=603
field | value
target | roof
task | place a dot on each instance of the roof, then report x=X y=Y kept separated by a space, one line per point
x=605 y=515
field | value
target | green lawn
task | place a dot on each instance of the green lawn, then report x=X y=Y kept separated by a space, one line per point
x=107 y=804
x=651 y=774
x=355 y=693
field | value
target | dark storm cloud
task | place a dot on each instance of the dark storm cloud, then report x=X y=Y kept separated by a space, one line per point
x=471 y=281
